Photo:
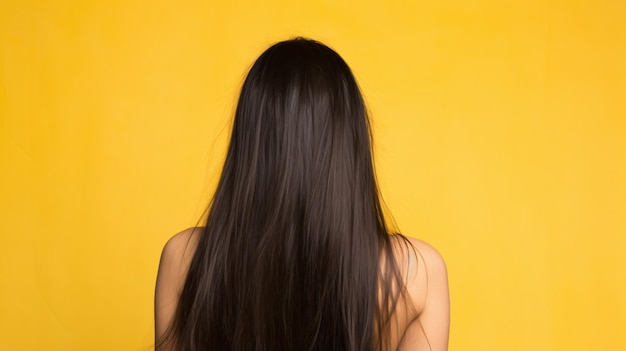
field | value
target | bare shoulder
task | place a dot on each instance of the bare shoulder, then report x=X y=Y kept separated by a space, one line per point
x=430 y=257
x=173 y=266
x=426 y=281
x=181 y=247
x=176 y=258
x=424 y=269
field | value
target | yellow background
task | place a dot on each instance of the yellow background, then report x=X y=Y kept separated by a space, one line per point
x=500 y=133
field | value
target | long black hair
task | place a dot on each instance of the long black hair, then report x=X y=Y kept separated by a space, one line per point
x=290 y=257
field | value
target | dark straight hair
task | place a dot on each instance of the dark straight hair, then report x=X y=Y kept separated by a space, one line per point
x=291 y=257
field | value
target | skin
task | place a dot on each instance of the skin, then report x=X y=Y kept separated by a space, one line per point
x=421 y=320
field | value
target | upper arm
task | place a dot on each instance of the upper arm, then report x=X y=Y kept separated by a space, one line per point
x=175 y=259
x=429 y=291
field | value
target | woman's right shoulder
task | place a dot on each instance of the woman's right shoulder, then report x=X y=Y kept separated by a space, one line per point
x=426 y=280
x=426 y=271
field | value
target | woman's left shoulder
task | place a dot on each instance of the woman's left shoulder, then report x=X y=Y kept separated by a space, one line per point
x=175 y=261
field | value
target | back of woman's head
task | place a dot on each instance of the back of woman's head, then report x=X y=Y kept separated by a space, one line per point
x=301 y=126
x=289 y=257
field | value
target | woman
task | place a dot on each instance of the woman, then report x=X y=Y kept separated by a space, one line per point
x=295 y=254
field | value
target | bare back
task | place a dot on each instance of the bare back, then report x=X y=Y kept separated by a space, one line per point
x=419 y=322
